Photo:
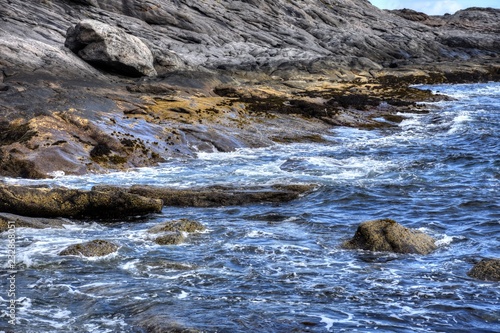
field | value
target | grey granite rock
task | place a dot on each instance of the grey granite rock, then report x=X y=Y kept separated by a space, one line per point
x=110 y=47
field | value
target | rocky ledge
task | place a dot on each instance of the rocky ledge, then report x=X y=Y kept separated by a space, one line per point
x=89 y=86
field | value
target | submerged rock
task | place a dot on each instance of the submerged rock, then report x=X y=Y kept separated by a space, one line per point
x=183 y=225
x=30 y=222
x=171 y=238
x=486 y=269
x=64 y=202
x=174 y=231
x=388 y=235
x=218 y=196
x=110 y=47
x=160 y=323
x=95 y=248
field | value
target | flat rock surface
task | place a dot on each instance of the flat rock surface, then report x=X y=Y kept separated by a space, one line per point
x=64 y=202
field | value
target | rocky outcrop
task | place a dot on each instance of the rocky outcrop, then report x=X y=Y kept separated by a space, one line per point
x=110 y=48
x=95 y=248
x=30 y=222
x=486 y=269
x=294 y=68
x=389 y=236
x=63 y=202
x=217 y=196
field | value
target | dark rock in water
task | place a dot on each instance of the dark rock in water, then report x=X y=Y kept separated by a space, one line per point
x=171 y=238
x=30 y=222
x=218 y=196
x=159 y=323
x=64 y=202
x=182 y=225
x=486 y=269
x=95 y=248
x=106 y=46
x=387 y=235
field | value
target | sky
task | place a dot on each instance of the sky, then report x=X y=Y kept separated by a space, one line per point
x=435 y=7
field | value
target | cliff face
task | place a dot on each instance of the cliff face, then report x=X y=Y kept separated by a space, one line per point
x=221 y=65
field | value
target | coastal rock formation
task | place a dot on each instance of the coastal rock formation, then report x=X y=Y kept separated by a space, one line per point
x=95 y=248
x=64 y=202
x=218 y=196
x=389 y=236
x=111 y=48
x=30 y=222
x=294 y=68
x=486 y=269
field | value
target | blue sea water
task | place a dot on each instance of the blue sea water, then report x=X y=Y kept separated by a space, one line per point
x=279 y=267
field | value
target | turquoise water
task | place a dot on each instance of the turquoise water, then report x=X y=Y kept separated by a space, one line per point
x=278 y=267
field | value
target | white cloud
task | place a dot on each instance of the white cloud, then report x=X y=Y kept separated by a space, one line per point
x=437 y=7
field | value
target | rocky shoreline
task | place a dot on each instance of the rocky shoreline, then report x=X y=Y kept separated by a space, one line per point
x=95 y=86
x=90 y=87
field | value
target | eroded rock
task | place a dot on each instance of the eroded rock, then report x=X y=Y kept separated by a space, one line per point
x=389 y=236
x=486 y=269
x=64 y=202
x=110 y=47
x=95 y=248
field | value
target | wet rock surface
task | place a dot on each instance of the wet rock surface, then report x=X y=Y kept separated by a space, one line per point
x=63 y=202
x=486 y=269
x=389 y=236
x=174 y=232
x=217 y=196
x=183 y=225
x=30 y=222
x=95 y=248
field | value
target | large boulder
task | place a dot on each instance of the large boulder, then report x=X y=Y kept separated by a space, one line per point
x=486 y=269
x=95 y=248
x=64 y=202
x=110 y=47
x=389 y=236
